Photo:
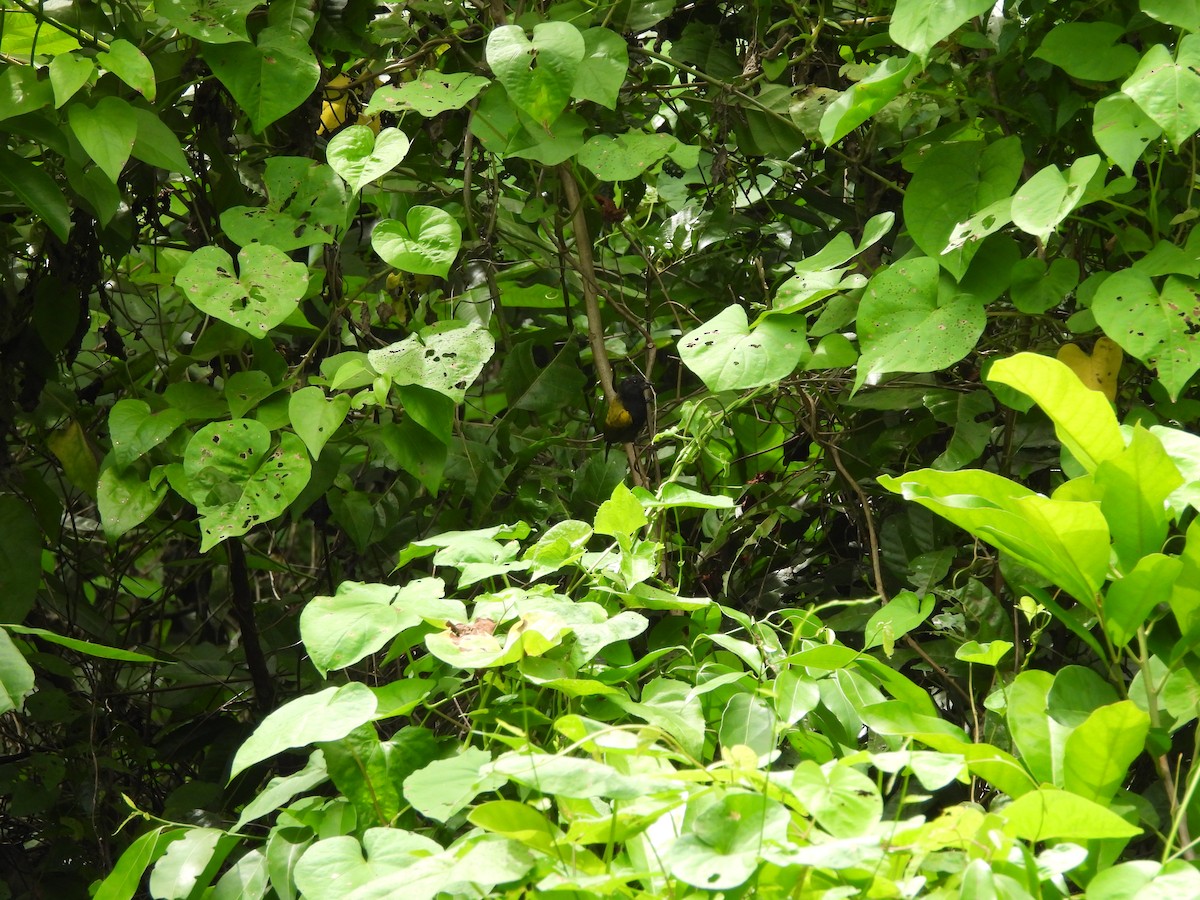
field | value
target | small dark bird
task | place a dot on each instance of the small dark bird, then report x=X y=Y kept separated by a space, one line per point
x=626 y=414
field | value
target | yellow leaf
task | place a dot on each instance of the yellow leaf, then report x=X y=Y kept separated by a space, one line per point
x=70 y=446
x=1098 y=371
x=333 y=105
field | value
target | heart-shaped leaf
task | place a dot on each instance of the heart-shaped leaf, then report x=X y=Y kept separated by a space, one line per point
x=135 y=430
x=106 y=131
x=729 y=355
x=1168 y=89
x=316 y=418
x=125 y=500
x=431 y=95
x=910 y=320
x=266 y=291
x=1099 y=370
x=538 y=74
x=1159 y=329
x=237 y=481
x=426 y=244
x=268 y=79
x=360 y=156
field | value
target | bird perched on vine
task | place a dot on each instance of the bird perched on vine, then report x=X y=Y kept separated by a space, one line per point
x=627 y=412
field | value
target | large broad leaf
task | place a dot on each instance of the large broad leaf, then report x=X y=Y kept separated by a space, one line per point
x=237 y=481
x=955 y=182
x=626 y=156
x=129 y=64
x=912 y=319
x=326 y=716
x=426 y=243
x=268 y=79
x=1134 y=487
x=539 y=73
x=1183 y=14
x=1091 y=51
x=1068 y=542
x=602 y=70
x=36 y=190
x=1048 y=814
x=445 y=358
x=125 y=499
x=265 y=290
x=1083 y=419
x=16 y=677
x=918 y=25
x=135 y=430
x=1160 y=329
x=1168 y=89
x=727 y=354
x=315 y=418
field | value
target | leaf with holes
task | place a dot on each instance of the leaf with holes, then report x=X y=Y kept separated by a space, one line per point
x=729 y=355
x=626 y=156
x=360 y=155
x=427 y=243
x=238 y=481
x=445 y=358
x=264 y=292
x=430 y=95
x=912 y=320
x=1160 y=329
x=540 y=73
x=1168 y=89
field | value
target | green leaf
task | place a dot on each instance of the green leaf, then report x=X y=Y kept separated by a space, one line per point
x=567 y=776
x=728 y=354
x=1049 y=814
x=20 y=558
x=68 y=73
x=896 y=618
x=1088 y=50
x=269 y=78
x=1048 y=197
x=1083 y=419
x=603 y=67
x=538 y=74
x=430 y=95
x=125 y=500
x=360 y=156
x=328 y=715
x=841 y=799
x=361 y=619
x=16 y=677
x=126 y=876
x=1099 y=752
x=211 y=23
x=21 y=91
x=264 y=291
x=1067 y=542
x=671 y=706
x=1160 y=329
x=178 y=871
x=954 y=182
x=625 y=157
x=727 y=842
x=1122 y=130
x=135 y=430
x=864 y=99
x=1168 y=89
x=282 y=788
x=37 y=190
x=446 y=358
x=237 y=481
x=1183 y=14
x=1134 y=487
x=157 y=144
x=305 y=201
x=106 y=132
x=427 y=243
x=445 y=787
x=986 y=654
x=621 y=514
x=913 y=320
x=315 y=417
x=747 y=721
x=918 y=25
x=129 y=64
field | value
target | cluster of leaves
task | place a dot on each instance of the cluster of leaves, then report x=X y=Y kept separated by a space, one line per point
x=299 y=290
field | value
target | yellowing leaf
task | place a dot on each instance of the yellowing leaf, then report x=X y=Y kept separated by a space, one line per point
x=1098 y=371
x=333 y=104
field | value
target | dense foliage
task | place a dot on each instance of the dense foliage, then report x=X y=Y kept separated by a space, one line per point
x=318 y=579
